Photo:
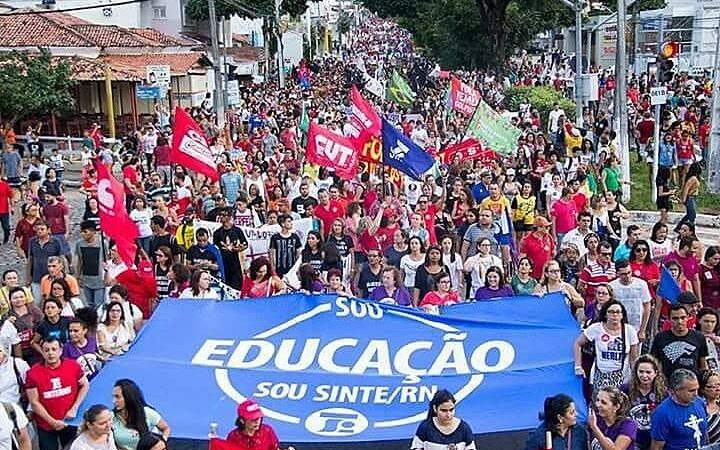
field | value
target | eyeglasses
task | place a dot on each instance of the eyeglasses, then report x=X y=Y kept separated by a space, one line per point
x=159 y=254
x=602 y=293
x=641 y=249
x=606 y=253
x=614 y=311
x=553 y=271
x=444 y=281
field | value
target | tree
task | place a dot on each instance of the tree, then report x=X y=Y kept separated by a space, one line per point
x=198 y=9
x=33 y=85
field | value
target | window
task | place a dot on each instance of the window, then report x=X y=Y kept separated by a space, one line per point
x=159 y=12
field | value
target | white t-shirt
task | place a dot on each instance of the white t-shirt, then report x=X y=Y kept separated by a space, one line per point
x=632 y=296
x=454 y=268
x=609 y=349
x=142 y=219
x=82 y=443
x=9 y=390
x=659 y=251
x=409 y=267
x=8 y=336
x=6 y=426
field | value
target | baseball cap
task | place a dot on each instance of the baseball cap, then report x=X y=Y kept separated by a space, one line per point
x=249 y=410
x=510 y=172
x=540 y=221
x=687 y=298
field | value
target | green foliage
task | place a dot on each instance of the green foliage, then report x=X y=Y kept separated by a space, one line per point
x=32 y=85
x=198 y=9
x=541 y=98
x=460 y=32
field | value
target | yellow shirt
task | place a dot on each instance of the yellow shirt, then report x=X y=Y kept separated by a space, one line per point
x=525 y=209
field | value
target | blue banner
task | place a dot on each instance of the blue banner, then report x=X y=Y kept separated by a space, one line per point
x=147 y=92
x=333 y=369
x=400 y=152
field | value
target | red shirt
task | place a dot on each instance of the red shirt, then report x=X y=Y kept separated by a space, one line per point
x=429 y=217
x=55 y=217
x=24 y=230
x=57 y=388
x=264 y=439
x=645 y=130
x=685 y=148
x=539 y=249
x=593 y=275
x=565 y=214
x=328 y=214
x=131 y=175
x=647 y=272
x=580 y=201
x=5 y=195
x=162 y=155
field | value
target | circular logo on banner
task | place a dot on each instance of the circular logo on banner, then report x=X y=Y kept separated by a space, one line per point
x=326 y=370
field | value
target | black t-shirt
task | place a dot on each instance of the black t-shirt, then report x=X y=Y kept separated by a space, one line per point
x=285 y=249
x=425 y=280
x=196 y=255
x=394 y=256
x=367 y=281
x=231 y=236
x=315 y=259
x=298 y=204
x=167 y=240
x=343 y=245
x=676 y=352
x=35 y=148
x=59 y=329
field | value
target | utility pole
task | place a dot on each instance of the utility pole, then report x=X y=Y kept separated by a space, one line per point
x=280 y=57
x=621 y=118
x=578 y=64
x=109 y=103
x=714 y=152
x=215 y=47
x=658 y=117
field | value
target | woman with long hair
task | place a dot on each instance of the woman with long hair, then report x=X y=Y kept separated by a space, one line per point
x=710 y=277
x=410 y=263
x=309 y=278
x=92 y=211
x=312 y=253
x=161 y=270
x=424 y=275
x=689 y=192
x=495 y=285
x=132 y=417
x=647 y=388
x=179 y=276
x=660 y=245
x=592 y=244
x=25 y=316
x=25 y=227
x=453 y=261
x=616 y=346
x=52 y=324
x=60 y=290
x=608 y=422
x=141 y=215
x=260 y=281
x=441 y=428
x=250 y=432
x=559 y=418
x=114 y=335
x=616 y=214
x=663 y=202
x=707 y=324
x=676 y=272
x=642 y=265
x=95 y=431
x=710 y=393
x=522 y=282
x=200 y=286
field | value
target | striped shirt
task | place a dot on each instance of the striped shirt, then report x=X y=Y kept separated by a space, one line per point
x=594 y=275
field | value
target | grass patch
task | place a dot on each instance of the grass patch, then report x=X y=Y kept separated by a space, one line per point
x=641 y=193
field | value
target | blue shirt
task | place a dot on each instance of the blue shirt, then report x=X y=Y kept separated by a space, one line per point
x=577 y=436
x=480 y=192
x=681 y=427
x=666 y=154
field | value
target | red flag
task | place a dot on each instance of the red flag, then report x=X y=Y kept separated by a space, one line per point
x=364 y=120
x=463 y=98
x=332 y=150
x=190 y=148
x=467 y=149
x=141 y=286
x=114 y=219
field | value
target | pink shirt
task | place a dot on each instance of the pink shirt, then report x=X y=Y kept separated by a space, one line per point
x=565 y=214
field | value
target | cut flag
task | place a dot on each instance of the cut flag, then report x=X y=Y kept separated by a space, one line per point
x=668 y=288
x=399 y=91
x=222 y=444
x=331 y=150
x=403 y=154
x=364 y=120
x=114 y=219
x=190 y=148
x=462 y=97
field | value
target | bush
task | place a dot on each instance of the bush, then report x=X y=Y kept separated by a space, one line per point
x=541 y=98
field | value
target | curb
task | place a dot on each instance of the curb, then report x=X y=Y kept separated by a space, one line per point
x=702 y=220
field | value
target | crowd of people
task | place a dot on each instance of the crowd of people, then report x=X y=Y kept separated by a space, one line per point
x=546 y=218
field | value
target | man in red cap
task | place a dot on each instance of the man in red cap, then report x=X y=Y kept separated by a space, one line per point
x=251 y=432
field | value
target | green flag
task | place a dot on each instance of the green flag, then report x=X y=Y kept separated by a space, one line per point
x=399 y=91
x=493 y=130
x=304 y=121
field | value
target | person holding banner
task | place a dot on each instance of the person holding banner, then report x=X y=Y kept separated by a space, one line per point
x=261 y=281
x=610 y=426
x=442 y=429
x=250 y=431
x=559 y=428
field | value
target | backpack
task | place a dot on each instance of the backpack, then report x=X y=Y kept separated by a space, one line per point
x=15 y=436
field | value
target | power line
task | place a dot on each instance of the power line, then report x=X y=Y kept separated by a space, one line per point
x=79 y=8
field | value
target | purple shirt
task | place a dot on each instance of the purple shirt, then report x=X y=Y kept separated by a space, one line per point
x=401 y=295
x=485 y=293
x=690 y=265
x=626 y=427
x=70 y=351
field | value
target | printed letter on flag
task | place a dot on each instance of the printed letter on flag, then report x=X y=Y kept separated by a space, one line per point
x=364 y=120
x=190 y=148
x=403 y=154
x=463 y=98
x=493 y=130
x=332 y=150
x=114 y=220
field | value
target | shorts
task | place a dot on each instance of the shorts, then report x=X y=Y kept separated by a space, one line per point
x=15 y=182
x=664 y=203
x=502 y=239
x=685 y=161
x=522 y=227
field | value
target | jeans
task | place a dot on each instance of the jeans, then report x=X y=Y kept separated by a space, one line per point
x=37 y=295
x=55 y=440
x=5 y=221
x=94 y=298
x=145 y=243
x=690 y=211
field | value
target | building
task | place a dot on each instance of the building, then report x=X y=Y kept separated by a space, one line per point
x=91 y=50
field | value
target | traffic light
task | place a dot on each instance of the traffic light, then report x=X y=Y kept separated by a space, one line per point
x=665 y=64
